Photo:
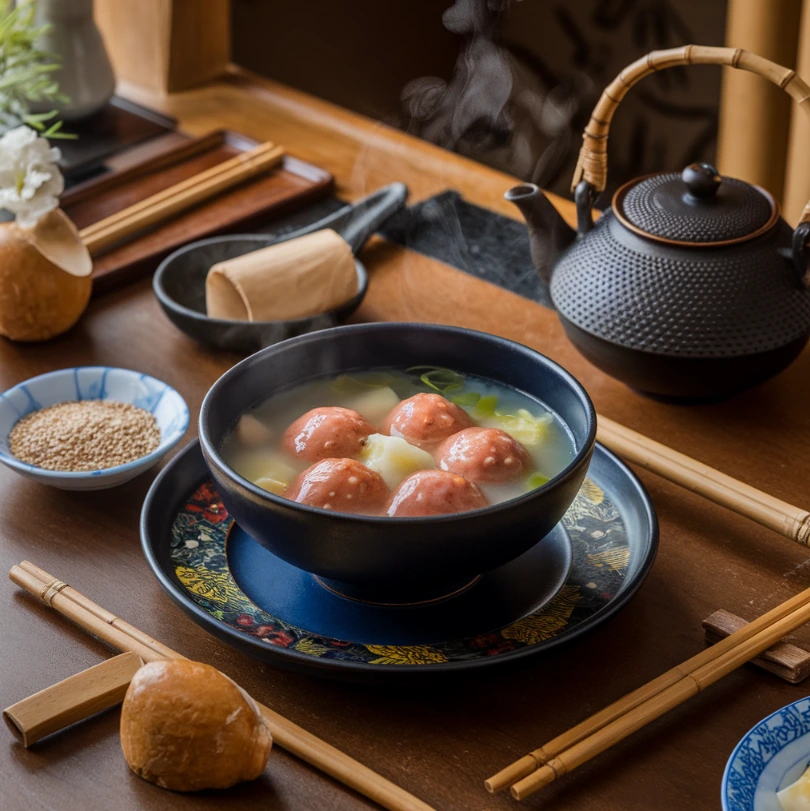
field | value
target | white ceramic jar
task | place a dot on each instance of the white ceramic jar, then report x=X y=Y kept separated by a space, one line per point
x=86 y=76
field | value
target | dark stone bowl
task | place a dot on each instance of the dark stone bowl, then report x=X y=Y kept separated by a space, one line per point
x=179 y=284
x=395 y=556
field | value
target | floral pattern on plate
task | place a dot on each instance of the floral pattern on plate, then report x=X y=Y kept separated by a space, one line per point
x=600 y=550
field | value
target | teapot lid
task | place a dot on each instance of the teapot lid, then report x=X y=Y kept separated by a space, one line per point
x=695 y=208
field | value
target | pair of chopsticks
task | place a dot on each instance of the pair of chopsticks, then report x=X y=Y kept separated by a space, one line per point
x=566 y=752
x=120 y=634
x=180 y=197
x=591 y=737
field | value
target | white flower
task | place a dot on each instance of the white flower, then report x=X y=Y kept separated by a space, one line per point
x=30 y=180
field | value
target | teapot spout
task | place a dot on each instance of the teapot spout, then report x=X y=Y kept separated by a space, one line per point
x=549 y=233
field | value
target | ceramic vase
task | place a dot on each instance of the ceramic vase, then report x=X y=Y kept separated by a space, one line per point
x=86 y=76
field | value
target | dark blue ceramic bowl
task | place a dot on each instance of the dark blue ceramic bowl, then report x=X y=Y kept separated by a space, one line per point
x=398 y=557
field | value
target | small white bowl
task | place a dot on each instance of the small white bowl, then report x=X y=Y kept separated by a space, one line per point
x=93 y=383
x=771 y=756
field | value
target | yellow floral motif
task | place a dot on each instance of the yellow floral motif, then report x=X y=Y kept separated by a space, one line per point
x=613 y=559
x=215 y=586
x=405 y=655
x=552 y=619
x=311 y=647
x=592 y=492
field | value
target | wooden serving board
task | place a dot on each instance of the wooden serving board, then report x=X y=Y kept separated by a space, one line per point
x=248 y=206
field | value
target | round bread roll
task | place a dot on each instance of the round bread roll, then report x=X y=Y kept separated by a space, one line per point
x=187 y=727
x=45 y=280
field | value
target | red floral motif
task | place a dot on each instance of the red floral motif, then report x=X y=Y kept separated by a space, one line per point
x=484 y=641
x=280 y=638
x=207 y=502
x=245 y=619
x=502 y=648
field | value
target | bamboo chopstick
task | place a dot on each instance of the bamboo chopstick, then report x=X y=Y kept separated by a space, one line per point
x=642 y=706
x=792 y=522
x=232 y=163
x=181 y=196
x=538 y=757
x=120 y=634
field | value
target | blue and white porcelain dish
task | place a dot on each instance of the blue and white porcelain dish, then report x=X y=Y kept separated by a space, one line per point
x=93 y=383
x=771 y=756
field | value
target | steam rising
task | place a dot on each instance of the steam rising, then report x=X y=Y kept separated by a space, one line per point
x=493 y=108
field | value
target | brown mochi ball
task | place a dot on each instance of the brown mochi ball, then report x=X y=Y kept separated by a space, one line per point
x=187 y=727
x=484 y=455
x=327 y=433
x=342 y=485
x=425 y=420
x=434 y=492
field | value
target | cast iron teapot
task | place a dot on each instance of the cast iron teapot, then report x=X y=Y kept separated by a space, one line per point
x=691 y=287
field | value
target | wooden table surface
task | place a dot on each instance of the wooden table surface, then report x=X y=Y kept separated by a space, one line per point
x=440 y=743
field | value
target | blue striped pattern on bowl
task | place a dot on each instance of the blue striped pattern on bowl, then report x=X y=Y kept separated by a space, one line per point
x=93 y=383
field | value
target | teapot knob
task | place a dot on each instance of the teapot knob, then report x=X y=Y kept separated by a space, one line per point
x=702 y=180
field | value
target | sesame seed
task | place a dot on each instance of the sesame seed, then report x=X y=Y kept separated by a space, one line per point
x=489 y=461
x=353 y=479
x=84 y=435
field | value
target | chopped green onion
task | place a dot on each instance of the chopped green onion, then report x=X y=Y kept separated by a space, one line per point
x=469 y=399
x=535 y=480
x=486 y=407
x=445 y=381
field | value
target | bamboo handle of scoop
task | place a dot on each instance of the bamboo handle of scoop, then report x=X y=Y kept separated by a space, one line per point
x=592 y=162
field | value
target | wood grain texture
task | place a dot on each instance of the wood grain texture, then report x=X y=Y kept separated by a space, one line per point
x=797 y=169
x=245 y=206
x=214 y=183
x=787 y=659
x=166 y=45
x=755 y=115
x=74 y=699
x=438 y=742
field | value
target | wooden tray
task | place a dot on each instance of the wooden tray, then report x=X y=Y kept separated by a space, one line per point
x=248 y=206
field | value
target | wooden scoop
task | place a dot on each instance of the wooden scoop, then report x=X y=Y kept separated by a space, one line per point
x=309 y=274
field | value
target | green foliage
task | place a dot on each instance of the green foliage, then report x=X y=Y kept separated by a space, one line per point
x=26 y=72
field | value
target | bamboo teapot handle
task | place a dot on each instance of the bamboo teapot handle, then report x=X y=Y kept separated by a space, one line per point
x=592 y=162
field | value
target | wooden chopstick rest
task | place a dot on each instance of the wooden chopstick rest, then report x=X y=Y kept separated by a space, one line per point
x=789 y=659
x=74 y=699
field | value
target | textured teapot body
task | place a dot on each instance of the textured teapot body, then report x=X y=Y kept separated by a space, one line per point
x=690 y=287
x=711 y=302
x=677 y=326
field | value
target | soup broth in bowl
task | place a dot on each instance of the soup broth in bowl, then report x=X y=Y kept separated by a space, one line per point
x=412 y=442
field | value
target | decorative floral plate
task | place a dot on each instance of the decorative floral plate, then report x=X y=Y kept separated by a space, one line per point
x=185 y=528
x=770 y=757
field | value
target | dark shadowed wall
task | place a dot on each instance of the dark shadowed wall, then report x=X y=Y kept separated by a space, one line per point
x=505 y=82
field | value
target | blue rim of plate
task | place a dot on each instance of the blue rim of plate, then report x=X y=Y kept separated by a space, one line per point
x=761 y=726
x=162 y=449
x=625 y=566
